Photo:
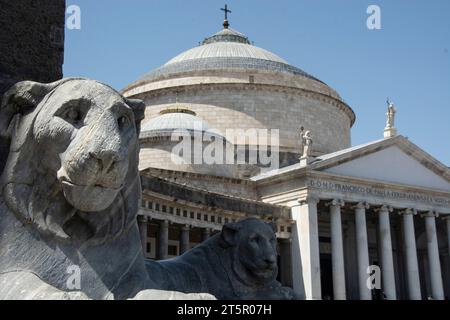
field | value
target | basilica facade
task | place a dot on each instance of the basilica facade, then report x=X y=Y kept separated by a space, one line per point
x=346 y=215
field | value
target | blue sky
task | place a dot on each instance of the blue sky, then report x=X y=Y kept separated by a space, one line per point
x=407 y=60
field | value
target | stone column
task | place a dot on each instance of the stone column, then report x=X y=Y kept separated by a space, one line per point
x=437 y=287
x=337 y=250
x=142 y=223
x=163 y=238
x=412 y=266
x=205 y=234
x=305 y=249
x=285 y=262
x=184 y=239
x=447 y=222
x=362 y=250
x=387 y=260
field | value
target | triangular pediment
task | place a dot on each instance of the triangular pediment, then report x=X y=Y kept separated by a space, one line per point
x=397 y=161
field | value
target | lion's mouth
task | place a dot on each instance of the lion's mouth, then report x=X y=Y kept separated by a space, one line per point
x=264 y=272
x=92 y=198
x=95 y=186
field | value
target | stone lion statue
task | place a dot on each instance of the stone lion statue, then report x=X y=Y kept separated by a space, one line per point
x=69 y=197
x=240 y=262
x=70 y=193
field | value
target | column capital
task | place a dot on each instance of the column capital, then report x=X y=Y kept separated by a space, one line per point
x=361 y=205
x=309 y=200
x=185 y=227
x=430 y=214
x=384 y=208
x=408 y=211
x=335 y=202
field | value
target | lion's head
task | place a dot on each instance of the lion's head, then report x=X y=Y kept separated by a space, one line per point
x=72 y=165
x=254 y=250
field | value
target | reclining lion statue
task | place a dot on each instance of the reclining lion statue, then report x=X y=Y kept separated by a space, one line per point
x=69 y=197
x=70 y=192
x=240 y=262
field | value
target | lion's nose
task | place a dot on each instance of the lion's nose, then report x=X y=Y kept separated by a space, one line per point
x=106 y=159
x=270 y=260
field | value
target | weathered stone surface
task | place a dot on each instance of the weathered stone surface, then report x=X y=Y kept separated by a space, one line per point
x=152 y=294
x=69 y=199
x=238 y=263
x=31 y=40
x=28 y=286
x=66 y=139
x=70 y=193
x=31 y=45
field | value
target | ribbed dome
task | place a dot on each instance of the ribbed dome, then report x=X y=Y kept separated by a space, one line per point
x=227 y=43
x=225 y=50
x=232 y=84
x=227 y=35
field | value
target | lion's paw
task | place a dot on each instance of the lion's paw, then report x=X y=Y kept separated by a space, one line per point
x=151 y=294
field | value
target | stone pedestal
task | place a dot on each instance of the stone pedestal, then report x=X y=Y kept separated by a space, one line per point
x=304 y=161
x=389 y=132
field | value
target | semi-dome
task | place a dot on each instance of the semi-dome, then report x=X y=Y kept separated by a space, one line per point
x=167 y=132
x=171 y=120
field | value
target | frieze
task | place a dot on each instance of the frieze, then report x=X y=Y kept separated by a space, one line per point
x=377 y=192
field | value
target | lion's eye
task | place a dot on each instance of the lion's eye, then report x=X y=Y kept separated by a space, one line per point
x=74 y=111
x=123 y=122
x=73 y=115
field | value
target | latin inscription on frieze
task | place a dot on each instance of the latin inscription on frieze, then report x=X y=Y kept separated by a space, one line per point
x=377 y=192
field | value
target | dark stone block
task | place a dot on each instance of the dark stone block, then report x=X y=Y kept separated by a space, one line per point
x=31 y=40
x=31 y=45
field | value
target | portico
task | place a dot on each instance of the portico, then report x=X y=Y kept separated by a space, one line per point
x=386 y=218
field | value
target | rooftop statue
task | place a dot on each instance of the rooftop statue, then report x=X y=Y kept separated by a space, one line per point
x=390 y=114
x=390 y=130
x=306 y=143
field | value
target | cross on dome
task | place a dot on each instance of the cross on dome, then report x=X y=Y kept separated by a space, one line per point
x=225 y=22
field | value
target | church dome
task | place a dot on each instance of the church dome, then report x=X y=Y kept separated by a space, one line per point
x=227 y=49
x=226 y=44
x=231 y=84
